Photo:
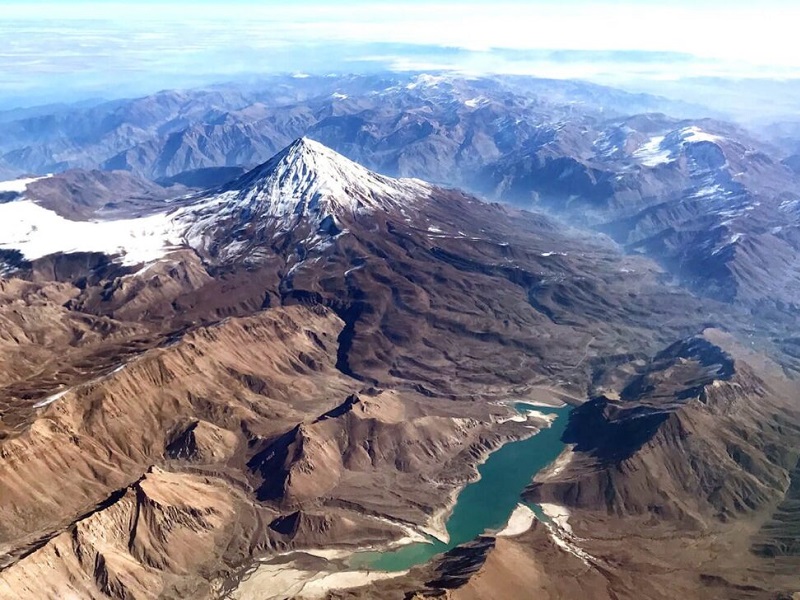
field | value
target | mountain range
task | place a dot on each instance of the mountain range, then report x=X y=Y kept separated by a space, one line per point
x=713 y=203
x=231 y=353
x=194 y=382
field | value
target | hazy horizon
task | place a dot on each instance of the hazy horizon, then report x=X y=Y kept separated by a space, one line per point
x=70 y=51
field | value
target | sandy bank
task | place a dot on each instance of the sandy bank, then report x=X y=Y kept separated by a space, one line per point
x=519 y=522
x=271 y=582
x=559 y=515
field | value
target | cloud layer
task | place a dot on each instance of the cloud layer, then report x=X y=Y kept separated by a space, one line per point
x=79 y=48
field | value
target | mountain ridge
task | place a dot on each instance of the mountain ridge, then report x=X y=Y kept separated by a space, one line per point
x=323 y=334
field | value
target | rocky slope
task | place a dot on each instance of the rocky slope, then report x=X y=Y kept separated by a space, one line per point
x=704 y=198
x=406 y=124
x=407 y=266
x=711 y=202
x=86 y=510
x=679 y=480
x=247 y=370
x=83 y=195
x=698 y=451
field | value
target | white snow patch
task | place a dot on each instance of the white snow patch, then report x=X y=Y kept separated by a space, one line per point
x=732 y=239
x=346 y=273
x=562 y=541
x=50 y=399
x=149 y=266
x=561 y=532
x=709 y=190
x=694 y=134
x=475 y=102
x=425 y=80
x=339 y=96
x=651 y=154
x=18 y=185
x=37 y=232
x=412 y=536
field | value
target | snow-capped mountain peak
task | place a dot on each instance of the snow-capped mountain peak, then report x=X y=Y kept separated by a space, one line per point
x=309 y=179
x=305 y=186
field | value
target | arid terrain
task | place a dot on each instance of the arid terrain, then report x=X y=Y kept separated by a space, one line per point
x=226 y=392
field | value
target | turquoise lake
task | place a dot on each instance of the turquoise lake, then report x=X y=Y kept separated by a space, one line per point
x=486 y=503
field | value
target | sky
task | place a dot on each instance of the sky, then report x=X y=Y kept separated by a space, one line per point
x=61 y=50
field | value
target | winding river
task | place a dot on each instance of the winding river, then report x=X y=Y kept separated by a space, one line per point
x=486 y=503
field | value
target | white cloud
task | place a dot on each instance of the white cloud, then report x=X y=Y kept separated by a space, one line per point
x=185 y=43
x=754 y=32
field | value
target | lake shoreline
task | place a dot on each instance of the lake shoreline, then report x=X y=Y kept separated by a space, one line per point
x=499 y=477
x=504 y=516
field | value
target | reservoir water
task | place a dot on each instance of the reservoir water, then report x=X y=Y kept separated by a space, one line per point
x=486 y=503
